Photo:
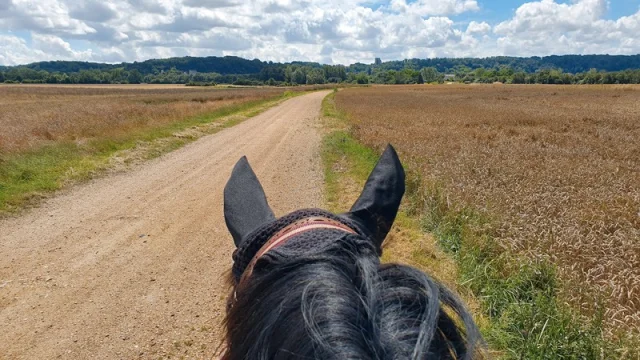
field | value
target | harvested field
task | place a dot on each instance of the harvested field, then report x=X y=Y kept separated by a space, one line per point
x=32 y=116
x=557 y=168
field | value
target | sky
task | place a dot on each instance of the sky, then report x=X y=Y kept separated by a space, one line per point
x=326 y=31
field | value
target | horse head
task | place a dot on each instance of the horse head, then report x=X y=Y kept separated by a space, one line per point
x=310 y=284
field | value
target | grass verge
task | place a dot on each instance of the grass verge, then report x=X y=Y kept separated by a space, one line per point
x=515 y=299
x=29 y=176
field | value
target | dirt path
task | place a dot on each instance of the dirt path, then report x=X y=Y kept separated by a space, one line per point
x=131 y=265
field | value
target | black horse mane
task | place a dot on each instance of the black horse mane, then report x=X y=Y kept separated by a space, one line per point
x=342 y=303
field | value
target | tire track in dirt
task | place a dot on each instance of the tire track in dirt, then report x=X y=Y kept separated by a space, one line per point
x=131 y=265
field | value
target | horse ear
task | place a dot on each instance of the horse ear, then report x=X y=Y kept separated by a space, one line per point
x=377 y=207
x=245 y=204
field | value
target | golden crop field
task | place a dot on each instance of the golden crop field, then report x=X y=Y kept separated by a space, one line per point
x=556 y=167
x=35 y=115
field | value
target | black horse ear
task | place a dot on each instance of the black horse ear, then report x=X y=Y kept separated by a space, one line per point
x=377 y=207
x=245 y=204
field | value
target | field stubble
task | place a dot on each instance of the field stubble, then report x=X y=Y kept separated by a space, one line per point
x=558 y=168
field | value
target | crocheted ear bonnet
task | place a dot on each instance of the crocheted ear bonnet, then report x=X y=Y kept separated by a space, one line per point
x=305 y=242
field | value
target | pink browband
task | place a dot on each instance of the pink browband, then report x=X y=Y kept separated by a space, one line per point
x=296 y=228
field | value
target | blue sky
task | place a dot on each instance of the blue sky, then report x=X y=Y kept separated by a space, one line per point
x=495 y=11
x=500 y=10
x=328 y=31
x=620 y=8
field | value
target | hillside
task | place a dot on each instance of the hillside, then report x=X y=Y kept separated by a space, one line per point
x=236 y=65
x=212 y=64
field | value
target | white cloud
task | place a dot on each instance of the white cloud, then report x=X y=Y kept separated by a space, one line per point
x=478 y=28
x=5 y=5
x=91 y=10
x=190 y=19
x=434 y=7
x=14 y=50
x=547 y=27
x=548 y=15
x=338 y=31
x=148 y=6
x=231 y=41
x=209 y=4
x=46 y=16
x=58 y=48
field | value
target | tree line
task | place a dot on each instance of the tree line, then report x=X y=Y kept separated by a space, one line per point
x=568 y=63
x=505 y=75
x=503 y=69
x=228 y=65
x=268 y=75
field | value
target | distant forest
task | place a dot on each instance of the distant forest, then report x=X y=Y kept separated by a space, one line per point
x=566 y=69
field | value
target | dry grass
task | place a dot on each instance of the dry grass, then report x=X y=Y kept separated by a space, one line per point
x=107 y=86
x=557 y=167
x=33 y=116
x=52 y=136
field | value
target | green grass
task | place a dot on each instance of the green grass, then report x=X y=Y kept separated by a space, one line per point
x=518 y=296
x=337 y=145
x=29 y=176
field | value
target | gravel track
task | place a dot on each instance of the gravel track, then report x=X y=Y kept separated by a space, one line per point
x=132 y=265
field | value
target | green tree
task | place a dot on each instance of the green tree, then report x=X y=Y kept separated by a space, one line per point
x=430 y=74
x=298 y=77
x=275 y=72
x=592 y=77
x=52 y=79
x=134 y=77
x=315 y=76
x=519 y=78
x=362 y=78
x=567 y=78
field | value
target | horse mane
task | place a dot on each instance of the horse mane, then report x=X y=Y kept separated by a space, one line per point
x=340 y=302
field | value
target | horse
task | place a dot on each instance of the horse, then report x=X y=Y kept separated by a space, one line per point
x=310 y=284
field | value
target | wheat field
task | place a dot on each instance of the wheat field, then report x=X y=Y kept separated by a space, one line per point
x=556 y=167
x=33 y=116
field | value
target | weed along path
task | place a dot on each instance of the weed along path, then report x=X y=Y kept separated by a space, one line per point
x=132 y=265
